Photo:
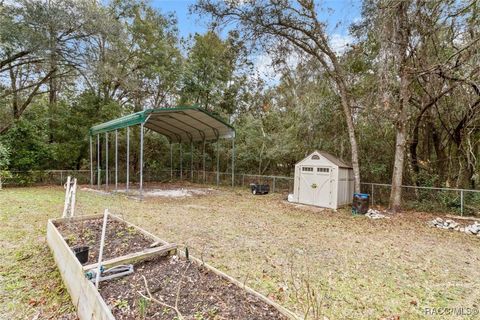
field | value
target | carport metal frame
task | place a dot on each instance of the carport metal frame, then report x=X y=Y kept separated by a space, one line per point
x=184 y=124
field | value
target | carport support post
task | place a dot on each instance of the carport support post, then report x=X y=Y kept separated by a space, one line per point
x=203 y=159
x=233 y=162
x=141 y=159
x=116 y=160
x=91 y=162
x=218 y=163
x=191 y=160
x=171 y=161
x=98 y=161
x=181 y=161
x=106 y=161
x=128 y=159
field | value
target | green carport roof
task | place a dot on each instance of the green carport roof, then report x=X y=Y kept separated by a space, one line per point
x=180 y=124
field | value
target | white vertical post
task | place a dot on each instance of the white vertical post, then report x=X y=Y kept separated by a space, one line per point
x=67 y=198
x=273 y=185
x=98 y=161
x=102 y=243
x=171 y=161
x=141 y=159
x=181 y=161
x=128 y=159
x=191 y=160
x=106 y=161
x=116 y=160
x=91 y=161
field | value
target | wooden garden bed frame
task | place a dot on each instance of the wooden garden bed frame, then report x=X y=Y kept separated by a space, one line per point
x=86 y=298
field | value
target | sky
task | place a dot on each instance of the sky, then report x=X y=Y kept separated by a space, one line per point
x=338 y=14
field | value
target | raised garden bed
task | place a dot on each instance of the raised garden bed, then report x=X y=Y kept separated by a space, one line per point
x=120 y=238
x=164 y=285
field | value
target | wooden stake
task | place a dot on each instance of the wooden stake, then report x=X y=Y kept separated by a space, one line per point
x=67 y=198
x=74 y=193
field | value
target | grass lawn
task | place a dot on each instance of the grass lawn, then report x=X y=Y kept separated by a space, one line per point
x=319 y=263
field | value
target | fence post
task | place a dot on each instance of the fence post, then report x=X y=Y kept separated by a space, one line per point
x=273 y=185
x=461 y=202
x=243 y=179
x=372 y=196
x=61 y=177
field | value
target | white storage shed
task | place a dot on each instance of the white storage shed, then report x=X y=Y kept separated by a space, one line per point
x=323 y=180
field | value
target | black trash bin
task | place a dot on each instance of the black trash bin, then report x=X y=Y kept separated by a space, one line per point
x=360 y=203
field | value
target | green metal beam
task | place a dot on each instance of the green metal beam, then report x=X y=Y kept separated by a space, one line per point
x=119 y=123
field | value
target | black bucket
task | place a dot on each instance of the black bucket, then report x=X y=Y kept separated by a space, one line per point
x=81 y=253
x=360 y=203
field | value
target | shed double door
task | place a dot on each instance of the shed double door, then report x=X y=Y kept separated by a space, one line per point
x=315 y=185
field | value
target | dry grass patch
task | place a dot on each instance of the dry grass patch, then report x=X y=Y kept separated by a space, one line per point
x=315 y=262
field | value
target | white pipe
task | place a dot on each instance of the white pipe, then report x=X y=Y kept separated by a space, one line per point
x=102 y=243
x=67 y=198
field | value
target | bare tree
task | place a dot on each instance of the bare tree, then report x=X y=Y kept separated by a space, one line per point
x=421 y=51
x=396 y=52
x=297 y=24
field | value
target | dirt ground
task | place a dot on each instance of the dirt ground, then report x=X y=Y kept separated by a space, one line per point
x=317 y=263
x=178 y=283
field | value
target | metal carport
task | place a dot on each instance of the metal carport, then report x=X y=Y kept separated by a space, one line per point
x=180 y=125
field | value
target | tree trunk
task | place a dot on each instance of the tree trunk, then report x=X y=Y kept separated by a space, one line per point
x=400 y=142
x=347 y=109
x=401 y=36
x=414 y=154
x=397 y=176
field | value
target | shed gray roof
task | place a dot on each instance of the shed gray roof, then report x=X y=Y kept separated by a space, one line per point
x=334 y=159
x=329 y=157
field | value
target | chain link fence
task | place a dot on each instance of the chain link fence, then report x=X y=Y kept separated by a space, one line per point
x=429 y=199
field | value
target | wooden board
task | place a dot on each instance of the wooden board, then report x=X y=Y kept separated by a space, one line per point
x=132 y=258
x=144 y=232
x=265 y=299
x=85 y=297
